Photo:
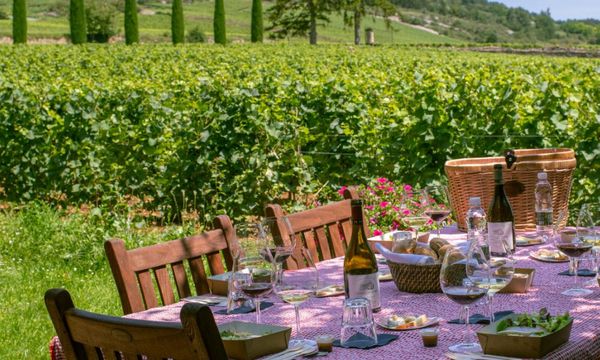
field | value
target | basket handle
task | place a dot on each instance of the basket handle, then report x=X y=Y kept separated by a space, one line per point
x=510 y=157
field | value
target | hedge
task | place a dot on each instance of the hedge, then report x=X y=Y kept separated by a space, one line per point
x=230 y=129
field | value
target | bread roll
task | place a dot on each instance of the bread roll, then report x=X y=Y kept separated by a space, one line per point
x=436 y=243
x=442 y=251
x=426 y=251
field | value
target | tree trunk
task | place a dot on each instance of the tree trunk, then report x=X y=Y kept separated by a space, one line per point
x=313 y=22
x=357 y=28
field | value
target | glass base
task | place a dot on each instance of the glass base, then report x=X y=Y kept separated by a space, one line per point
x=577 y=292
x=466 y=348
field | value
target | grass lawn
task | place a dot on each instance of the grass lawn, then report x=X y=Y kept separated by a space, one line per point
x=155 y=24
x=41 y=248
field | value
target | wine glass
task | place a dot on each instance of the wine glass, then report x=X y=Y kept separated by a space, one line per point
x=492 y=270
x=255 y=270
x=296 y=290
x=436 y=206
x=455 y=283
x=281 y=243
x=416 y=223
x=588 y=229
x=576 y=247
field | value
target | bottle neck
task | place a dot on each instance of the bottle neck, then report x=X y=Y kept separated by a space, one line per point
x=357 y=215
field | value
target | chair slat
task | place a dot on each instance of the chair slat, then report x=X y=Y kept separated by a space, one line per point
x=181 y=281
x=164 y=285
x=336 y=239
x=215 y=263
x=321 y=237
x=199 y=275
x=311 y=245
x=347 y=231
x=145 y=280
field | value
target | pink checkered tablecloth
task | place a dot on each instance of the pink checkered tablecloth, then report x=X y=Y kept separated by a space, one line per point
x=323 y=315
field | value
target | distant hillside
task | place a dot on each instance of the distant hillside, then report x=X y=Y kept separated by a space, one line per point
x=484 y=21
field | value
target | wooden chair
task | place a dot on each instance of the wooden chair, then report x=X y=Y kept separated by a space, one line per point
x=137 y=271
x=325 y=231
x=86 y=335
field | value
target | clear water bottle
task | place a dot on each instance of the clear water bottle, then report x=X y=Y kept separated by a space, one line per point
x=476 y=223
x=543 y=207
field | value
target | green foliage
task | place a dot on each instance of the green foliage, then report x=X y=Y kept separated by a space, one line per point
x=299 y=17
x=19 y=21
x=131 y=22
x=256 y=26
x=219 y=23
x=196 y=35
x=101 y=20
x=77 y=23
x=232 y=129
x=177 y=24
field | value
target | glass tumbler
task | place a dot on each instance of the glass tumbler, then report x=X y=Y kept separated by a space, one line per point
x=358 y=327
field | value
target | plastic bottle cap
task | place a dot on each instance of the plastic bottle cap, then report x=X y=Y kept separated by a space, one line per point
x=542 y=176
x=475 y=201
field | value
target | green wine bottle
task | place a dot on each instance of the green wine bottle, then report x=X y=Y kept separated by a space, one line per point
x=361 y=274
x=501 y=222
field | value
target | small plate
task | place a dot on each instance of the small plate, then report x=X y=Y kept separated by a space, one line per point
x=541 y=257
x=331 y=290
x=208 y=299
x=385 y=275
x=528 y=241
x=430 y=322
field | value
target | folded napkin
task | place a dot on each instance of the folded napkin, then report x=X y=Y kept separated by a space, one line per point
x=359 y=341
x=245 y=309
x=580 y=272
x=404 y=258
x=480 y=319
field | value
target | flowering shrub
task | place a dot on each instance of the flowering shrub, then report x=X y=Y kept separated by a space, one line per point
x=387 y=204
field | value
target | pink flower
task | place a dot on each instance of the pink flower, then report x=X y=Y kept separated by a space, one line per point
x=377 y=232
x=383 y=213
x=406 y=212
x=369 y=207
x=407 y=188
x=341 y=190
x=383 y=204
x=395 y=225
x=429 y=222
x=396 y=209
x=373 y=220
x=382 y=180
x=390 y=189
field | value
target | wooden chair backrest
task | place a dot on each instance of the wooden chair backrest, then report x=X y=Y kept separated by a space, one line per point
x=86 y=335
x=325 y=230
x=138 y=272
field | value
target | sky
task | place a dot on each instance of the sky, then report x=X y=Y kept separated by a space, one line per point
x=560 y=9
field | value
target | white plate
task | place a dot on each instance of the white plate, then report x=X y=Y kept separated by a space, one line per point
x=537 y=256
x=430 y=322
x=210 y=300
x=527 y=241
x=385 y=275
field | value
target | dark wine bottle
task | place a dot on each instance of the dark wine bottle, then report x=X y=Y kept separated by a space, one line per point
x=361 y=274
x=501 y=222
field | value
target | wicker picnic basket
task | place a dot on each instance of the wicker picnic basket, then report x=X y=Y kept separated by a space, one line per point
x=475 y=177
x=416 y=278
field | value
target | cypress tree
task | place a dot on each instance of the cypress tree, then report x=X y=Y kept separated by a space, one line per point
x=77 y=22
x=256 y=29
x=132 y=34
x=177 y=29
x=19 y=22
x=219 y=23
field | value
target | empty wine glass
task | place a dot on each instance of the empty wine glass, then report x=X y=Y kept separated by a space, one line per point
x=296 y=290
x=588 y=229
x=255 y=270
x=488 y=269
x=574 y=248
x=455 y=283
x=435 y=201
x=281 y=243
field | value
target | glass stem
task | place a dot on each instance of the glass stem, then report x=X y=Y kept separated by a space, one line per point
x=491 y=307
x=279 y=274
x=297 y=311
x=468 y=326
x=438 y=230
x=257 y=305
x=575 y=270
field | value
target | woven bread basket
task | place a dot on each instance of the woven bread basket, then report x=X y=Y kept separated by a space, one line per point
x=415 y=278
x=475 y=177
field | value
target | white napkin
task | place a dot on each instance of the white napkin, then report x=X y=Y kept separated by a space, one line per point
x=404 y=258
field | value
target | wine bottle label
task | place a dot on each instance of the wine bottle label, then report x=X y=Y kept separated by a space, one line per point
x=365 y=286
x=500 y=237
